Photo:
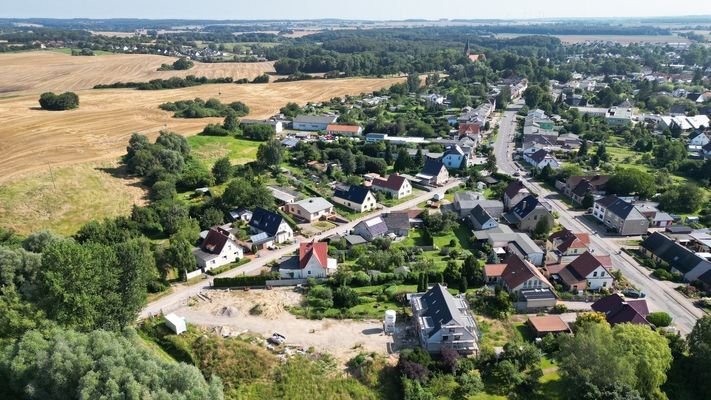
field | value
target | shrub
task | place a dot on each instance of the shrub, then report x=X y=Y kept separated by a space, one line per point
x=264 y=78
x=54 y=102
x=659 y=319
x=215 y=130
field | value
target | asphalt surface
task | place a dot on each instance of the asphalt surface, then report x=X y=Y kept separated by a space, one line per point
x=660 y=295
x=181 y=293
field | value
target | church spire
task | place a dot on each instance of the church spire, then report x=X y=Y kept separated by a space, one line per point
x=467 y=49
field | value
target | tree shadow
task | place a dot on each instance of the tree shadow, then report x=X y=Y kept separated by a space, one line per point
x=120 y=172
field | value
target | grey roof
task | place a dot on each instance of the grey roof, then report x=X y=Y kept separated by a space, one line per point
x=620 y=207
x=432 y=167
x=266 y=221
x=289 y=262
x=671 y=252
x=260 y=238
x=480 y=215
x=314 y=204
x=376 y=226
x=525 y=207
x=441 y=307
x=354 y=240
x=486 y=234
x=355 y=194
x=467 y=199
x=315 y=119
x=281 y=194
x=397 y=220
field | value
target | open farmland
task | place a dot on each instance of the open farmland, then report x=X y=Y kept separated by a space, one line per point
x=78 y=144
x=41 y=71
x=102 y=125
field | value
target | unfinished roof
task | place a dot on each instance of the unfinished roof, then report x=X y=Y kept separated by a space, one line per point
x=314 y=204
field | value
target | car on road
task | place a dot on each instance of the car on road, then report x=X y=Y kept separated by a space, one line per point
x=634 y=294
x=277 y=339
x=517 y=173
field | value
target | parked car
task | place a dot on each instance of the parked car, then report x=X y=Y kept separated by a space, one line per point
x=633 y=293
x=277 y=339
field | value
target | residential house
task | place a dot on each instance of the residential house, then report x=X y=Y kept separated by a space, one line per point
x=480 y=219
x=537 y=141
x=698 y=139
x=619 y=117
x=444 y=321
x=217 y=249
x=464 y=202
x=313 y=122
x=537 y=122
x=398 y=222
x=434 y=172
x=344 y=130
x=660 y=247
x=514 y=193
x=566 y=243
x=454 y=157
x=277 y=125
x=311 y=262
x=311 y=209
x=528 y=213
x=493 y=273
x=371 y=228
x=620 y=216
x=540 y=158
x=396 y=186
x=520 y=274
x=577 y=187
x=586 y=272
x=661 y=220
x=618 y=310
x=356 y=198
x=269 y=227
x=504 y=241
x=240 y=214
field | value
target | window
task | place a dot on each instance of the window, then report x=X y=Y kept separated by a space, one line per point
x=451 y=330
x=309 y=272
x=445 y=338
x=595 y=274
x=602 y=273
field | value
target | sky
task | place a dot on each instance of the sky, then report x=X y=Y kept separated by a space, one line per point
x=360 y=9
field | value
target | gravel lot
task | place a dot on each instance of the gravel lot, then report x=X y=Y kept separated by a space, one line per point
x=228 y=313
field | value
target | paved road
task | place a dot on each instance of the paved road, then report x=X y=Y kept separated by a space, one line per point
x=183 y=292
x=661 y=296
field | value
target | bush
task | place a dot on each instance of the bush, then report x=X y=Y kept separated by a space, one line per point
x=258 y=132
x=264 y=78
x=199 y=108
x=54 y=102
x=659 y=319
x=180 y=64
x=215 y=130
x=237 y=281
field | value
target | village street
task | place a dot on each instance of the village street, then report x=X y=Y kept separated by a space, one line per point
x=181 y=293
x=660 y=295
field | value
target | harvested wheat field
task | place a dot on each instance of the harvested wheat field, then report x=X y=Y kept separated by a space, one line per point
x=41 y=71
x=100 y=128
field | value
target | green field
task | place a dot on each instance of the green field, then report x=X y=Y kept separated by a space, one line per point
x=211 y=148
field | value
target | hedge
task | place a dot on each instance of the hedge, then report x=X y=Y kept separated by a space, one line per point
x=247 y=280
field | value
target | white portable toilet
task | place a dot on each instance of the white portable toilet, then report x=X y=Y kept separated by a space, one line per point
x=389 y=321
x=175 y=323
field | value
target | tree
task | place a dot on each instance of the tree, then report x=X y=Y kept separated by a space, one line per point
x=542 y=228
x=534 y=95
x=222 y=170
x=700 y=354
x=588 y=200
x=686 y=198
x=345 y=297
x=320 y=297
x=631 y=355
x=80 y=285
x=463 y=285
x=36 y=242
x=403 y=162
x=659 y=319
x=179 y=255
x=65 y=364
x=231 y=122
x=210 y=217
x=413 y=83
x=260 y=133
x=270 y=153
x=583 y=150
x=61 y=102
x=137 y=267
x=626 y=181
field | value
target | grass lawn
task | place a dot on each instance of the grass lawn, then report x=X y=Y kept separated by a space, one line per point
x=211 y=148
x=486 y=396
x=496 y=333
x=68 y=197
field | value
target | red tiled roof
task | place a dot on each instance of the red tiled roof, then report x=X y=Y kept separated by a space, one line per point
x=548 y=324
x=494 y=270
x=343 y=128
x=565 y=239
x=518 y=271
x=309 y=249
x=394 y=182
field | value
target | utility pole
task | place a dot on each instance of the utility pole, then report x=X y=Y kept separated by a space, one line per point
x=51 y=174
